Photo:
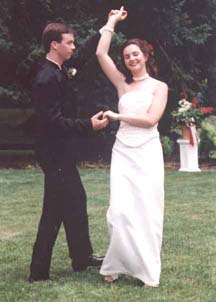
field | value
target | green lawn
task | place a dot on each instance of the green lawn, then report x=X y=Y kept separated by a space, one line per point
x=188 y=254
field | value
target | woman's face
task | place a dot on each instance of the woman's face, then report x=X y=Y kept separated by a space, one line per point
x=134 y=58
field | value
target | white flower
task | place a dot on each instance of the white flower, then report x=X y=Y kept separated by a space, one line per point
x=182 y=101
x=184 y=104
x=183 y=109
x=71 y=72
x=188 y=106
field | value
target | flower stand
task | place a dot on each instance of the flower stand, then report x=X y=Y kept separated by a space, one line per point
x=188 y=145
x=188 y=156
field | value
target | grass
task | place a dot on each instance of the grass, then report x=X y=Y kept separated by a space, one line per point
x=188 y=253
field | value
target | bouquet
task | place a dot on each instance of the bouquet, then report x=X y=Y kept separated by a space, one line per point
x=189 y=115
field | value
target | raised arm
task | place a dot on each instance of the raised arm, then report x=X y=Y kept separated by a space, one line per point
x=107 y=64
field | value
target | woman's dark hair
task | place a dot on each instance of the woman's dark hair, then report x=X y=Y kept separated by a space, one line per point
x=53 y=32
x=148 y=51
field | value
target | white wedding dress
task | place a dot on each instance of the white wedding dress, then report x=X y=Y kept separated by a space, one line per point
x=135 y=214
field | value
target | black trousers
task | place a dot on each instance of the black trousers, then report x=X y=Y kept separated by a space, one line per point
x=64 y=201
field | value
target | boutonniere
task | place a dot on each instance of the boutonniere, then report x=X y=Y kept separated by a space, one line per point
x=71 y=72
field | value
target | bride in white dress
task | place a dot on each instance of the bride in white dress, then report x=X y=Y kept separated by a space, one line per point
x=135 y=214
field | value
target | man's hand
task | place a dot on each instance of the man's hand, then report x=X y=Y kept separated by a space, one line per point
x=99 y=121
x=111 y=115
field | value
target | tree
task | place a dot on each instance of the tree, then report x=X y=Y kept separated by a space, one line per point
x=180 y=30
x=211 y=53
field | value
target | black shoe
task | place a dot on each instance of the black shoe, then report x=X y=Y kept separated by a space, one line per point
x=95 y=260
x=32 y=279
x=91 y=261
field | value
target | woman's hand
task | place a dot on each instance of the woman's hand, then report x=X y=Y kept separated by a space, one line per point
x=117 y=15
x=111 y=115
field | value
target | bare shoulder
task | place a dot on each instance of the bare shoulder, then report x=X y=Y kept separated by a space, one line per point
x=160 y=86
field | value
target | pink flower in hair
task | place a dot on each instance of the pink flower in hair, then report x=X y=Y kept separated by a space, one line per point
x=150 y=47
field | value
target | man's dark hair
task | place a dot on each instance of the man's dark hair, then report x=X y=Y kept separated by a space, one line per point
x=53 y=32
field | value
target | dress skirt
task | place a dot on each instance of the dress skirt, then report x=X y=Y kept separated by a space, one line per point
x=135 y=214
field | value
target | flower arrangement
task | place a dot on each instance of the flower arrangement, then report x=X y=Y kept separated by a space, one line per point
x=188 y=114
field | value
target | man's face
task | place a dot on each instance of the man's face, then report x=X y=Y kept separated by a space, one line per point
x=66 y=47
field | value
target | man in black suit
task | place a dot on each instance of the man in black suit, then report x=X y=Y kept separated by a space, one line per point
x=64 y=195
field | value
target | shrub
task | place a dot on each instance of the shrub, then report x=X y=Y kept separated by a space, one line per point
x=208 y=138
x=168 y=145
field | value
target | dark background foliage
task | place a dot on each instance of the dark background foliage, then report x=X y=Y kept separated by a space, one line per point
x=182 y=32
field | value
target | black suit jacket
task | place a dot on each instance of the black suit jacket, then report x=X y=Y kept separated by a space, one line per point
x=56 y=132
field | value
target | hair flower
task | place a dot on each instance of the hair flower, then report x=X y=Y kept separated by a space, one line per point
x=150 y=48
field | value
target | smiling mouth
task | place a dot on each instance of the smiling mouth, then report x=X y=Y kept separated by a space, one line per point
x=133 y=65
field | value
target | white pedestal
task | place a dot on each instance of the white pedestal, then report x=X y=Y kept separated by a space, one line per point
x=188 y=156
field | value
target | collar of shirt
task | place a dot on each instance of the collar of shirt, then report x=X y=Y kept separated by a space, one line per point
x=59 y=66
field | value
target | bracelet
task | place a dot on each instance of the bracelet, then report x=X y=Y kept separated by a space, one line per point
x=109 y=29
x=106 y=28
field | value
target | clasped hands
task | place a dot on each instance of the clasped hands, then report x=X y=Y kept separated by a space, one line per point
x=101 y=119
